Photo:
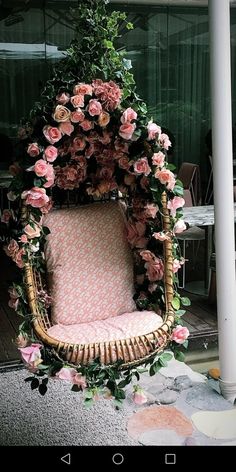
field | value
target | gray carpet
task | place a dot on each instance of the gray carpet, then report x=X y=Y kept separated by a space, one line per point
x=59 y=418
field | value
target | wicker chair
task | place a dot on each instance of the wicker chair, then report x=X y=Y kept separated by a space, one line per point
x=131 y=349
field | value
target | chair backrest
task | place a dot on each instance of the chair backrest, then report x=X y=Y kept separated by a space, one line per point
x=90 y=263
x=188 y=198
x=189 y=174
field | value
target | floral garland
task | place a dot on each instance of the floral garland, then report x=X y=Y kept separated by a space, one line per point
x=88 y=139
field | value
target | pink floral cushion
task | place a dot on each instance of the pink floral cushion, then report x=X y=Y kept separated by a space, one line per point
x=120 y=327
x=89 y=263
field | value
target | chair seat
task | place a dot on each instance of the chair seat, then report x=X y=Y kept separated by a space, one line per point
x=194 y=233
x=124 y=326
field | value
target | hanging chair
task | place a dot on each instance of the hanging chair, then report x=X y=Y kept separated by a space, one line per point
x=151 y=332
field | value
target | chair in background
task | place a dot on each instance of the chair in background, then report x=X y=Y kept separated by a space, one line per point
x=189 y=174
x=193 y=234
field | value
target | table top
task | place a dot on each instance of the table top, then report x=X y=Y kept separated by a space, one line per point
x=201 y=215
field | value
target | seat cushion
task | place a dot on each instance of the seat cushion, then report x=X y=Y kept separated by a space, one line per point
x=89 y=262
x=124 y=326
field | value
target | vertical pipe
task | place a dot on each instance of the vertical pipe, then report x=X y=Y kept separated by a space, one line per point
x=219 y=22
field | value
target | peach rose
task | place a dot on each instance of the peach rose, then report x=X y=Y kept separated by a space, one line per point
x=147 y=255
x=180 y=334
x=103 y=119
x=126 y=130
x=51 y=153
x=124 y=163
x=33 y=149
x=12 y=248
x=161 y=236
x=66 y=373
x=79 y=143
x=18 y=258
x=141 y=166
x=52 y=134
x=61 y=113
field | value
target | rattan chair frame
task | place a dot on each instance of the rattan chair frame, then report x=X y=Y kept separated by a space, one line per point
x=129 y=351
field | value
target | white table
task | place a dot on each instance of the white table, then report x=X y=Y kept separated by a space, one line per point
x=203 y=216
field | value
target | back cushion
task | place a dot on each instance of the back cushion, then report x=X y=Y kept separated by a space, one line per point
x=89 y=263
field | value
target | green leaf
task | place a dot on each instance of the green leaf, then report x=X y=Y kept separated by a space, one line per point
x=34 y=383
x=185 y=301
x=88 y=402
x=154 y=368
x=162 y=362
x=108 y=44
x=185 y=344
x=42 y=389
x=179 y=356
x=29 y=379
x=180 y=312
x=176 y=303
x=166 y=356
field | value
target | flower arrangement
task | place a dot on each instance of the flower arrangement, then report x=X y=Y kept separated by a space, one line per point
x=95 y=137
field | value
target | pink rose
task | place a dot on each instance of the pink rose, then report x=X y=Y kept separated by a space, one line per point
x=52 y=134
x=77 y=101
x=66 y=128
x=14 y=298
x=180 y=334
x=33 y=150
x=158 y=159
x=40 y=168
x=135 y=234
x=63 y=98
x=147 y=255
x=161 y=236
x=12 y=248
x=31 y=353
x=176 y=265
x=80 y=380
x=179 y=227
x=126 y=130
x=77 y=116
x=18 y=258
x=86 y=125
x=166 y=177
x=139 y=396
x=128 y=115
x=32 y=232
x=83 y=89
x=155 y=269
x=153 y=130
x=23 y=239
x=21 y=341
x=66 y=373
x=6 y=216
x=51 y=153
x=141 y=166
x=174 y=204
x=36 y=197
x=164 y=141
x=79 y=143
x=151 y=210
x=94 y=107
